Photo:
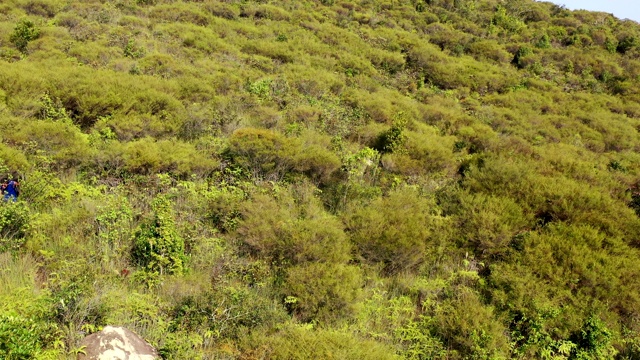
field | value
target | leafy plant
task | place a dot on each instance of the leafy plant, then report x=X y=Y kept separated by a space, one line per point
x=158 y=247
x=15 y=222
x=132 y=50
x=24 y=32
x=19 y=338
x=324 y=179
x=393 y=140
x=593 y=341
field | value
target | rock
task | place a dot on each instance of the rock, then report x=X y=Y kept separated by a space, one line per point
x=116 y=343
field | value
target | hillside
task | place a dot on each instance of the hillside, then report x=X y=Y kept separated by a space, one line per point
x=316 y=179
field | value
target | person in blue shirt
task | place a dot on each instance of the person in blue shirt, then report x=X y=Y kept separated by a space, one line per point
x=11 y=190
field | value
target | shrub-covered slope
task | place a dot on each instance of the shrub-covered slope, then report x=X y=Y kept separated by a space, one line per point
x=371 y=179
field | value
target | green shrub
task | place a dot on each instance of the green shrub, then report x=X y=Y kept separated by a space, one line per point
x=544 y=42
x=304 y=343
x=263 y=153
x=322 y=292
x=52 y=109
x=182 y=12
x=24 y=32
x=447 y=38
x=317 y=163
x=146 y=156
x=59 y=144
x=158 y=247
x=160 y=65
x=114 y=230
x=387 y=61
x=305 y=245
x=424 y=151
x=571 y=257
x=594 y=341
x=490 y=223
x=19 y=338
x=534 y=336
x=277 y=51
x=227 y=313
x=520 y=57
x=269 y=12
x=394 y=139
x=222 y=10
x=470 y=327
x=14 y=225
x=488 y=49
x=393 y=231
x=290 y=233
x=43 y=8
x=627 y=43
x=506 y=21
x=414 y=336
x=12 y=159
x=132 y=50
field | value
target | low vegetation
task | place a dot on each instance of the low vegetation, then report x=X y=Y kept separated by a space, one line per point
x=370 y=179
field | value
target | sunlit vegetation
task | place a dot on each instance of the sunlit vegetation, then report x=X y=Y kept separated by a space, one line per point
x=314 y=179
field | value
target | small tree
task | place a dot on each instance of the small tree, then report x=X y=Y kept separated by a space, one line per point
x=394 y=139
x=24 y=32
x=158 y=246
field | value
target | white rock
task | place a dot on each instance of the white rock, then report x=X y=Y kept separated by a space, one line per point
x=116 y=343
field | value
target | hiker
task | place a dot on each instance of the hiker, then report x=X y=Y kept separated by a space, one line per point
x=12 y=190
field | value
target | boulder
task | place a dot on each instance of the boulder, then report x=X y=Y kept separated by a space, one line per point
x=116 y=343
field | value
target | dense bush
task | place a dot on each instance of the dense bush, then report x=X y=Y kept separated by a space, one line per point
x=299 y=343
x=24 y=32
x=442 y=179
x=14 y=224
x=321 y=292
x=19 y=337
x=158 y=247
x=292 y=230
x=393 y=231
x=147 y=156
x=263 y=153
